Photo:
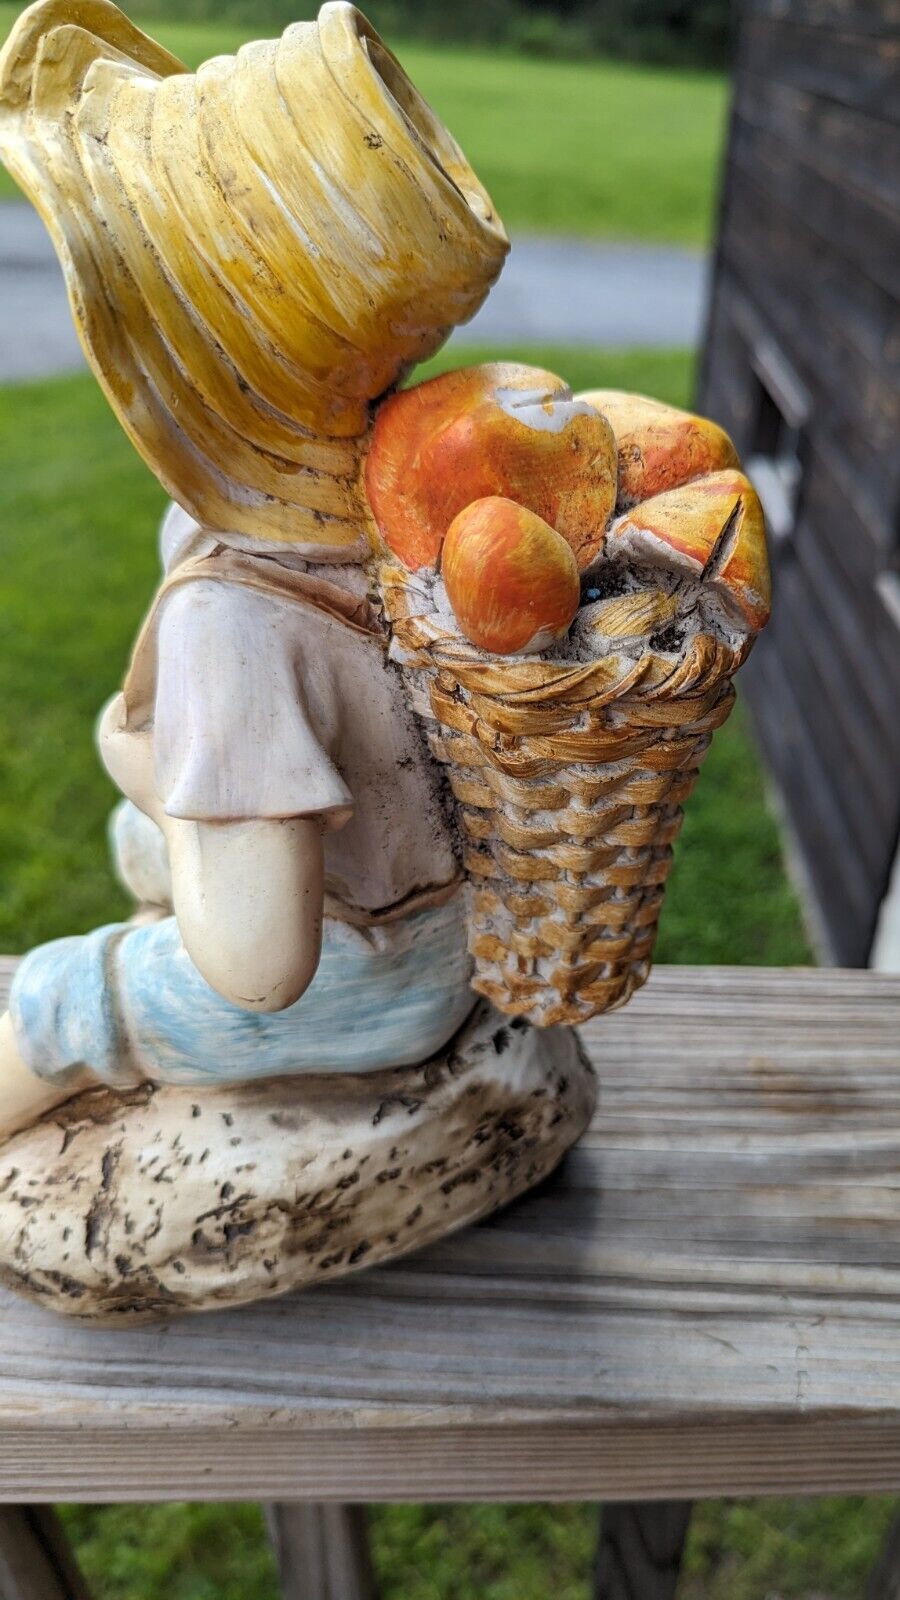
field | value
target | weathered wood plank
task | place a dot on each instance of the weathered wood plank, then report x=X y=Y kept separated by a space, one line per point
x=852 y=560
x=803 y=774
x=810 y=654
x=858 y=150
x=869 y=18
x=322 y=1551
x=830 y=660
x=704 y=1300
x=871 y=646
x=865 y=237
x=640 y=1550
x=831 y=331
x=839 y=64
x=855 y=408
x=816 y=658
x=36 y=1562
x=807 y=262
x=547 y=1460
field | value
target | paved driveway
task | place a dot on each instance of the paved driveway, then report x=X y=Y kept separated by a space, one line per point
x=578 y=291
x=552 y=291
x=36 y=333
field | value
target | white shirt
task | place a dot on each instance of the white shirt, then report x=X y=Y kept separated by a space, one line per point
x=266 y=707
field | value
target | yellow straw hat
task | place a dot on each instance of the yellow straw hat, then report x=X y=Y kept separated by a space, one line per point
x=254 y=252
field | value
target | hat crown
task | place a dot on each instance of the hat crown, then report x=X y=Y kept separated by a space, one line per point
x=254 y=252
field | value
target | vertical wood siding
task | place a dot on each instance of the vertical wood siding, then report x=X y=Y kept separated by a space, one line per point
x=808 y=256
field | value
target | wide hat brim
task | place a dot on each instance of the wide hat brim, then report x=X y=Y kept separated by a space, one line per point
x=254 y=252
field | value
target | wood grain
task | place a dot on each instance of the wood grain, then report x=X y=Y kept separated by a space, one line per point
x=808 y=239
x=704 y=1300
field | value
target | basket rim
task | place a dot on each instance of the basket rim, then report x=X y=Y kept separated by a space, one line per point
x=697 y=667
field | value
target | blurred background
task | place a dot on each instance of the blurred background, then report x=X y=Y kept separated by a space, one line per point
x=703 y=206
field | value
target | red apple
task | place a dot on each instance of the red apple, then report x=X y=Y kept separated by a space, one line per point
x=499 y=429
x=659 y=446
x=712 y=530
x=511 y=579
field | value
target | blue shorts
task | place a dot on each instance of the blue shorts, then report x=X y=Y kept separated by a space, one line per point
x=128 y=1003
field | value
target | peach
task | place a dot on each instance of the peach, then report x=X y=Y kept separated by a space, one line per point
x=659 y=446
x=498 y=429
x=712 y=530
x=511 y=579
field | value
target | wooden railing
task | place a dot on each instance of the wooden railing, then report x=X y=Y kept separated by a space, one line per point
x=704 y=1301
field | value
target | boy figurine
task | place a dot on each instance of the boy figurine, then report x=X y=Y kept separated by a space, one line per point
x=242 y=312
x=331 y=856
x=254 y=254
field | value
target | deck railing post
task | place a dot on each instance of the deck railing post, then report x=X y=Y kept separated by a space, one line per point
x=884 y=1583
x=36 y=1561
x=322 y=1551
x=640 y=1550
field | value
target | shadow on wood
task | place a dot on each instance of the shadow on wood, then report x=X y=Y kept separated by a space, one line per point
x=36 y=1562
x=322 y=1551
x=640 y=1550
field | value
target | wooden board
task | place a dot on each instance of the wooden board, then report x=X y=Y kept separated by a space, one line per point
x=705 y=1300
x=808 y=242
x=848 y=65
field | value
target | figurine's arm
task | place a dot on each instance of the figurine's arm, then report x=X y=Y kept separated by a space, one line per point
x=247 y=895
x=248 y=898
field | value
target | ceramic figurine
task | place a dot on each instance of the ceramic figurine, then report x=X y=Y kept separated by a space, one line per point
x=405 y=736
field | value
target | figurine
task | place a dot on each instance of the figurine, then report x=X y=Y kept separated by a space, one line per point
x=404 y=738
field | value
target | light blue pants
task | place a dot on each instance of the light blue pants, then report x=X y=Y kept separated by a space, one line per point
x=128 y=1003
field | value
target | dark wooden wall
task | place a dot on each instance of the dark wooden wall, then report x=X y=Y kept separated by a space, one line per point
x=807 y=286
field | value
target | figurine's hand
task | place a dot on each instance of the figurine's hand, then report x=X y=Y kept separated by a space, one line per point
x=248 y=898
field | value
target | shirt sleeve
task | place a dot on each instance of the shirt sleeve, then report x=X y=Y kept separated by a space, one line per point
x=233 y=737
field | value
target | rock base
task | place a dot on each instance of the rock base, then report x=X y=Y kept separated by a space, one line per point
x=136 y=1207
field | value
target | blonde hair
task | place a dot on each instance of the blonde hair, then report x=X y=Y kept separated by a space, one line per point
x=254 y=252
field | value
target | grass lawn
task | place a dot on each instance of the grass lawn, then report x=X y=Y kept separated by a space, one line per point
x=762 y=1550
x=79 y=566
x=567 y=147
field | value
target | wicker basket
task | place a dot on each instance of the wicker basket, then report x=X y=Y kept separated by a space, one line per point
x=569 y=781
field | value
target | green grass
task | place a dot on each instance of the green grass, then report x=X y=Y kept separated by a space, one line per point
x=79 y=566
x=758 y=1550
x=563 y=147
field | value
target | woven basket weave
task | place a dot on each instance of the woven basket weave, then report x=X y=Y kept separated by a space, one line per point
x=569 y=780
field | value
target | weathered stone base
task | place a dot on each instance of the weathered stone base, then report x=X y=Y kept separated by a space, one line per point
x=161 y=1201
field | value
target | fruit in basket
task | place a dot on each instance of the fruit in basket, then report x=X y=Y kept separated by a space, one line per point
x=499 y=429
x=548 y=756
x=712 y=530
x=511 y=579
x=659 y=447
